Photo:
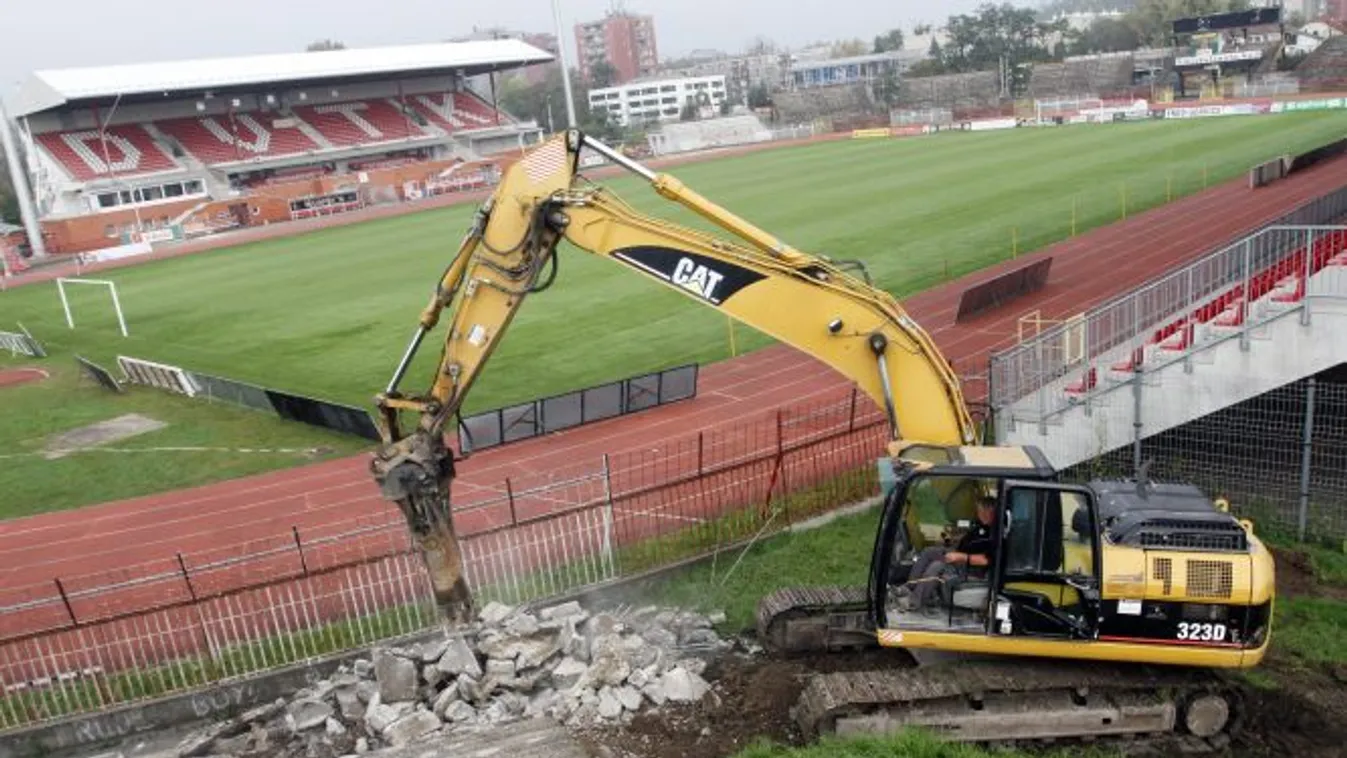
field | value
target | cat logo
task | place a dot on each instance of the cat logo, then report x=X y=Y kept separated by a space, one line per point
x=696 y=278
x=712 y=280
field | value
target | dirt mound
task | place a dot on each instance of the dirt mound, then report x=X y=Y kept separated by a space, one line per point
x=752 y=700
x=1303 y=719
x=753 y=697
x=1296 y=577
x=13 y=377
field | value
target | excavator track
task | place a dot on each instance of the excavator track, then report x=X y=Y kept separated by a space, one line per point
x=988 y=699
x=1005 y=701
x=816 y=619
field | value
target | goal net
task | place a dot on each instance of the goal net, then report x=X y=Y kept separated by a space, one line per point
x=1066 y=109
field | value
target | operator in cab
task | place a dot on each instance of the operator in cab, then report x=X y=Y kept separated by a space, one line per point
x=937 y=568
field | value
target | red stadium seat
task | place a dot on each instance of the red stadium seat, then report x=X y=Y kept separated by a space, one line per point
x=1087 y=381
x=361 y=122
x=454 y=112
x=220 y=139
x=127 y=150
x=477 y=111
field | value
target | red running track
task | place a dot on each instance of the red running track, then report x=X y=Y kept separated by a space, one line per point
x=236 y=517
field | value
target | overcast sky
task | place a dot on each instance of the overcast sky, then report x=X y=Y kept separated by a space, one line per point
x=41 y=34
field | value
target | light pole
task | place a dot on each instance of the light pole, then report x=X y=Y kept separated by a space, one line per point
x=565 y=69
x=18 y=174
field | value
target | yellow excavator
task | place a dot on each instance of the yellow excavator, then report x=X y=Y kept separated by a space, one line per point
x=1107 y=608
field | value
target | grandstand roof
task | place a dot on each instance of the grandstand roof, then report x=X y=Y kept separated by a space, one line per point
x=53 y=88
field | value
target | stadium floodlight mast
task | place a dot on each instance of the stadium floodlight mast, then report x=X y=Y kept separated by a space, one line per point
x=565 y=70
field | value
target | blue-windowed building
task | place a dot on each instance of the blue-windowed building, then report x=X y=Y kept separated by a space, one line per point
x=857 y=69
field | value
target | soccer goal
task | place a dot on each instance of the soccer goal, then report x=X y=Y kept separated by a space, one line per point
x=1046 y=111
x=112 y=287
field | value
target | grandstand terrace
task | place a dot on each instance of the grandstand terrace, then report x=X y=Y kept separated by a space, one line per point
x=1223 y=47
x=1099 y=75
x=117 y=152
x=1325 y=69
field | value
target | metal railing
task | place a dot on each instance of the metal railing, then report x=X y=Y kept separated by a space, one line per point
x=557 y=412
x=1131 y=321
x=83 y=644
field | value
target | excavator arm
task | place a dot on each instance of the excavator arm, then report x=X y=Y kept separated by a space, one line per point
x=806 y=301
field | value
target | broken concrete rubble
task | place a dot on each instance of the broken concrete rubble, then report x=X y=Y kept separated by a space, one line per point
x=561 y=662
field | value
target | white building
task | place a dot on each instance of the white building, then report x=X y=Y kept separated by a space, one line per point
x=1311 y=36
x=659 y=100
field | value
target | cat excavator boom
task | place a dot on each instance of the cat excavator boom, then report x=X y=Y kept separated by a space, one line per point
x=1099 y=582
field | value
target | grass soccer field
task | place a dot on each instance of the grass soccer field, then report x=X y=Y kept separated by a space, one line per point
x=328 y=313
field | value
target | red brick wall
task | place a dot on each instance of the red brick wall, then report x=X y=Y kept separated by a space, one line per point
x=82 y=233
x=265 y=205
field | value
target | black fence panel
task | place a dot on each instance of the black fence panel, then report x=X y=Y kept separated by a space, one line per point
x=642 y=392
x=480 y=431
x=338 y=418
x=289 y=406
x=100 y=375
x=230 y=391
x=678 y=384
x=558 y=412
x=603 y=402
x=519 y=422
x=562 y=412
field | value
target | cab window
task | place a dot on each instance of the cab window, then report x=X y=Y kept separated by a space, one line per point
x=940 y=508
x=1049 y=533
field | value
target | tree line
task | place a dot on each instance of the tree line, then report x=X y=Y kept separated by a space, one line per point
x=1008 y=37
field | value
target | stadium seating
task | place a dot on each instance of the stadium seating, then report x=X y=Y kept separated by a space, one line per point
x=359 y=123
x=216 y=140
x=1085 y=76
x=130 y=150
x=212 y=139
x=1281 y=282
x=454 y=112
x=977 y=90
x=837 y=102
x=1325 y=69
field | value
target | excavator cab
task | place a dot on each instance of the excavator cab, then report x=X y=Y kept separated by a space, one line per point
x=931 y=509
x=1081 y=571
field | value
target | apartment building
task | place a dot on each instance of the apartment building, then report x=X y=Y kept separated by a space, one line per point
x=658 y=100
x=625 y=40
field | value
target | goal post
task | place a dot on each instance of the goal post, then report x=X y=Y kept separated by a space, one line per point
x=1066 y=108
x=112 y=288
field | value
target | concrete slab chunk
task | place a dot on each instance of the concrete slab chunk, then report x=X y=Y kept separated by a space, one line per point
x=396 y=675
x=411 y=728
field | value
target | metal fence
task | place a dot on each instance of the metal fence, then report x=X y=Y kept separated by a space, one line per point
x=85 y=643
x=553 y=414
x=1129 y=322
x=1280 y=459
x=326 y=414
x=21 y=344
x=286 y=405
